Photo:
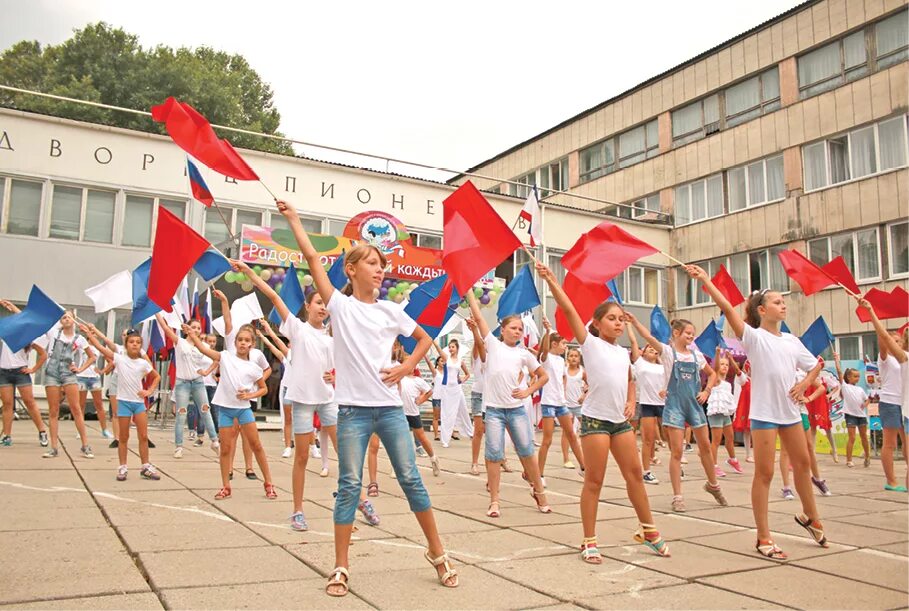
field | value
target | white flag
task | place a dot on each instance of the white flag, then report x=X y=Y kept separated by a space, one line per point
x=531 y=213
x=114 y=292
x=181 y=301
x=242 y=311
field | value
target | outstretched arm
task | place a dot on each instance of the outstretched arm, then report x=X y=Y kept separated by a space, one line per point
x=93 y=340
x=543 y=352
x=271 y=347
x=277 y=341
x=479 y=346
x=225 y=311
x=319 y=275
x=886 y=341
x=167 y=330
x=262 y=286
x=574 y=320
x=635 y=350
x=9 y=305
x=482 y=327
x=645 y=333
x=839 y=368
x=732 y=315
x=202 y=346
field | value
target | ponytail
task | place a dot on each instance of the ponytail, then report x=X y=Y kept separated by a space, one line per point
x=755 y=300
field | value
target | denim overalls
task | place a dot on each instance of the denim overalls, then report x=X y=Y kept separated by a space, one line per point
x=59 y=359
x=681 y=396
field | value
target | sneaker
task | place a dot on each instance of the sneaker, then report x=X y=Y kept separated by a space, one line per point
x=421 y=452
x=86 y=452
x=121 y=473
x=199 y=442
x=568 y=464
x=215 y=445
x=52 y=453
x=650 y=478
x=178 y=453
x=114 y=444
x=323 y=472
x=107 y=434
x=192 y=434
x=688 y=448
x=735 y=464
x=151 y=445
x=298 y=520
x=787 y=494
x=42 y=439
x=369 y=512
x=315 y=452
x=719 y=472
x=287 y=453
x=149 y=472
x=821 y=485
x=6 y=440
x=684 y=460
x=716 y=493
x=678 y=504
x=434 y=461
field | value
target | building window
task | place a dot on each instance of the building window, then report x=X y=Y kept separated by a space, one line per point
x=426 y=240
x=336 y=227
x=753 y=97
x=756 y=183
x=177 y=208
x=860 y=249
x=898 y=248
x=137 y=223
x=598 y=160
x=526 y=181
x=251 y=217
x=638 y=144
x=696 y=120
x=82 y=214
x=648 y=207
x=640 y=285
x=99 y=216
x=862 y=152
x=24 y=207
x=215 y=229
x=854 y=347
x=623 y=150
x=66 y=213
x=553 y=177
x=751 y=271
x=699 y=200
x=832 y=65
x=892 y=39
x=496 y=189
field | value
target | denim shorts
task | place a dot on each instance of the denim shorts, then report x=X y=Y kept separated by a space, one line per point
x=575 y=412
x=303 y=415
x=651 y=411
x=58 y=376
x=718 y=421
x=679 y=413
x=127 y=409
x=595 y=426
x=856 y=420
x=14 y=378
x=112 y=385
x=891 y=415
x=414 y=422
x=514 y=419
x=244 y=415
x=88 y=384
x=436 y=404
x=476 y=404
x=554 y=411
x=763 y=425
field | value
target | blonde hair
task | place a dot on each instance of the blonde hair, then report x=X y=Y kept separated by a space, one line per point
x=354 y=255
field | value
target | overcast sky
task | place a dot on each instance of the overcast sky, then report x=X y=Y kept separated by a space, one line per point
x=446 y=84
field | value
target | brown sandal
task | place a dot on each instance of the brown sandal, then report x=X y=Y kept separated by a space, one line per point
x=449 y=572
x=814 y=528
x=372 y=489
x=335 y=580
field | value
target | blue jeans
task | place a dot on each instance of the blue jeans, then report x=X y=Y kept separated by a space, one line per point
x=355 y=426
x=515 y=420
x=184 y=391
x=210 y=391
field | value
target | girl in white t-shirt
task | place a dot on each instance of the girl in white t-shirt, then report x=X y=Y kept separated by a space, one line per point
x=575 y=389
x=553 y=402
x=775 y=357
x=650 y=381
x=131 y=368
x=414 y=392
x=476 y=396
x=605 y=428
x=16 y=376
x=721 y=407
x=855 y=410
x=282 y=353
x=366 y=391
x=242 y=380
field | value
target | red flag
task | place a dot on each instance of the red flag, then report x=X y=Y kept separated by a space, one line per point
x=177 y=248
x=193 y=133
x=805 y=272
x=839 y=271
x=476 y=238
x=604 y=252
x=434 y=313
x=894 y=304
x=727 y=286
x=585 y=296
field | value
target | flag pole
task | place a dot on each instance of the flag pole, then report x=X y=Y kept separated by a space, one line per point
x=224 y=220
x=274 y=197
x=671 y=258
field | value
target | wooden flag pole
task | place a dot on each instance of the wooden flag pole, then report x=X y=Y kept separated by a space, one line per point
x=224 y=220
x=671 y=258
x=274 y=197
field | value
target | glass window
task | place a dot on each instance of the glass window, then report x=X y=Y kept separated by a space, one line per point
x=276 y=221
x=99 y=216
x=682 y=209
x=66 y=213
x=631 y=146
x=177 y=208
x=735 y=182
x=819 y=66
x=819 y=251
x=743 y=96
x=309 y=224
x=842 y=246
x=776 y=187
x=24 y=208
x=892 y=39
x=770 y=85
x=597 y=160
x=868 y=251
x=756 y=182
x=899 y=248
x=650 y=204
x=815 y=156
x=740 y=272
x=634 y=287
x=336 y=228
x=854 y=57
x=779 y=281
x=431 y=241
x=137 y=221
x=215 y=229
x=248 y=217
x=687 y=119
x=861 y=150
x=839 y=159
x=892 y=136
x=849 y=348
x=699 y=200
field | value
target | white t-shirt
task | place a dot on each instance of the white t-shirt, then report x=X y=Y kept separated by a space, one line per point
x=364 y=336
x=411 y=388
x=904 y=376
x=650 y=379
x=186 y=356
x=313 y=356
x=693 y=356
x=130 y=373
x=503 y=367
x=854 y=398
x=554 y=390
x=236 y=375
x=203 y=362
x=740 y=380
x=10 y=359
x=437 y=386
x=285 y=377
x=607 y=377
x=891 y=380
x=255 y=355
x=479 y=371
x=574 y=387
x=775 y=360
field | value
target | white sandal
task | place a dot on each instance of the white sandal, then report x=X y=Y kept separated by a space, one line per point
x=335 y=580
x=449 y=572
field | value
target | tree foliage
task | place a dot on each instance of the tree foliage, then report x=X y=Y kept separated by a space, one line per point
x=104 y=64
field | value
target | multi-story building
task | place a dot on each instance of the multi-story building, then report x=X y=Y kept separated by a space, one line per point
x=791 y=135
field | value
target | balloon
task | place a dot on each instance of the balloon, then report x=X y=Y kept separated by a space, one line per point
x=387 y=283
x=398 y=298
x=484 y=299
x=478 y=292
x=307 y=280
x=392 y=292
x=257 y=269
x=280 y=272
x=407 y=294
x=383 y=292
x=375 y=293
x=403 y=286
x=246 y=285
x=413 y=286
x=266 y=275
x=279 y=286
x=463 y=305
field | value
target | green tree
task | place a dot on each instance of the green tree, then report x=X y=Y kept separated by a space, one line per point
x=108 y=65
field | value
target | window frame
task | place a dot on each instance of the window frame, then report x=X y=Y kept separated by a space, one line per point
x=763 y=106
x=689 y=186
x=853 y=234
x=711 y=266
x=747 y=175
x=7 y=194
x=890 y=250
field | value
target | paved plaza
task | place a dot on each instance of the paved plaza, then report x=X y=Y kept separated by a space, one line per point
x=71 y=537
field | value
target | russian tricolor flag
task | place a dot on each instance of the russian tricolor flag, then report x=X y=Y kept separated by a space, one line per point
x=197 y=184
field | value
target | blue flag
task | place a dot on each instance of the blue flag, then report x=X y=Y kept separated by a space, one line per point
x=156 y=340
x=336 y=273
x=143 y=307
x=721 y=323
x=784 y=327
x=211 y=265
x=420 y=299
x=817 y=337
x=659 y=326
x=291 y=294
x=615 y=296
x=520 y=295
x=709 y=339
x=41 y=313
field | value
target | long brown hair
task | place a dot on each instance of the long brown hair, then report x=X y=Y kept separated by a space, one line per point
x=598 y=313
x=354 y=255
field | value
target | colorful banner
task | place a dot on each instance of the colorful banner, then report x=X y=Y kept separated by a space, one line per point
x=406 y=261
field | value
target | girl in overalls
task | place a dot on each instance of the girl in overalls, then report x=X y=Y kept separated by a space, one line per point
x=683 y=404
x=60 y=379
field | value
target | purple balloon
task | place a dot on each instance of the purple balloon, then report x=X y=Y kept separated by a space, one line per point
x=383 y=292
x=484 y=299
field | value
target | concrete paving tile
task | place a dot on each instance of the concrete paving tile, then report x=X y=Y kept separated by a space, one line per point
x=558 y=607
x=886 y=495
x=738 y=516
x=605 y=511
x=676 y=526
x=710 y=561
x=609 y=533
x=145 y=600
x=40 y=478
x=780 y=584
x=227 y=566
x=179 y=536
x=243 y=508
x=51 y=517
x=74 y=554
x=164 y=507
x=865 y=503
x=499 y=546
x=895 y=548
x=297 y=594
x=797 y=547
x=465 y=503
x=870 y=566
x=106 y=480
x=420 y=589
x=366 y=556
x=569 y=578
x=406 y=525
x=897 y=521
x=686 y=596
